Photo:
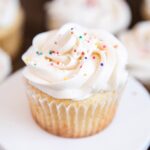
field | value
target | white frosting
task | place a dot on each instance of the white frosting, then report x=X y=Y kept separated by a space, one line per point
x=111 y=15
x=5 y=65
x=83 y=63
x=8 y=12
x=137 y=42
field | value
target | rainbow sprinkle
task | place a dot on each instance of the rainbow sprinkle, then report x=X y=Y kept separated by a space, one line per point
x=102 y=64
x=80 y=37
x=65 y=78
x=39 y=53
x=51 y=52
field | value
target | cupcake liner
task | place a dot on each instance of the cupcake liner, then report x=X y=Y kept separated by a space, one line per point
x=70 y=118
x=11 y=37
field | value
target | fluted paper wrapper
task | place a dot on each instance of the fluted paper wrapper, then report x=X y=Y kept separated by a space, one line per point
x=69 y=118
x=11 y=37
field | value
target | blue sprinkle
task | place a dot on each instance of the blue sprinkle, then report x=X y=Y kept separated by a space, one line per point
x=102 y=64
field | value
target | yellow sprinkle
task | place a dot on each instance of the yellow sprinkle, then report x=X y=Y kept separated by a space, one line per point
x=27 y=60
x=65 y=78
x=97 y=45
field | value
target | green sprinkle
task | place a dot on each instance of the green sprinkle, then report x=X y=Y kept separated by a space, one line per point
x=39 y=53
x=80 y=37
x=51 y=52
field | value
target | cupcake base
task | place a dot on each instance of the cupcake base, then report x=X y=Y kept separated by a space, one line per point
x=73 y=119
x=11 y=37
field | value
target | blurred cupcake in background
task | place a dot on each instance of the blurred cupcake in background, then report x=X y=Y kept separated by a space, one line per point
x=11 y=23
x=137 y=42
x=146 y=9
x=5 y=65
x=112 y=15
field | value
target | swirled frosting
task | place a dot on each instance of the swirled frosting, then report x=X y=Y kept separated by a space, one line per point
x=8 y=12
x=111 y=15
x=5 y=65
x=137 y=42
x=75 y=63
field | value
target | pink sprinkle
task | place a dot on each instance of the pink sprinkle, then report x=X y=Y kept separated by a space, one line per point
x=93 y=57
x=81 y=66
x=104 y=46
x=82 y=53
x=85 y=34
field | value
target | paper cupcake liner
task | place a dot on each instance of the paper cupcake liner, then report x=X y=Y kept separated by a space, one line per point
x=69 y=118
x=11 y=37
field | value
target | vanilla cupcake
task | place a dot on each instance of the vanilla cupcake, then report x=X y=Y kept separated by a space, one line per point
x=5 y=65
x=112 y=15
x=74 y=78
x=11 y=22
x=137 y=42
x=146 y=9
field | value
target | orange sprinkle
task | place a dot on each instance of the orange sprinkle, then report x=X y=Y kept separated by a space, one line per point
x=65 y=78
x=47 y=58
x=75 y=50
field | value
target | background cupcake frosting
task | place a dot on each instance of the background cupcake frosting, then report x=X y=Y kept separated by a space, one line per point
x=5 y=65
x=137 y=42
x=9 y=10
x=91 y=13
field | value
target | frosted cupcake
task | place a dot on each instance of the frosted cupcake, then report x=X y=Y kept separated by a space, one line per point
x=5 y=65
x=137 y=42
x=91 y=13
x=74 y=76
x=11 y=22
x=146 y=9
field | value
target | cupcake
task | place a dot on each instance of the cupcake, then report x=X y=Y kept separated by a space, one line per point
x=137 y=41
x=11 y=22
x=5 y=65
x=146 y=9
x=74 y=78
x=90 y=13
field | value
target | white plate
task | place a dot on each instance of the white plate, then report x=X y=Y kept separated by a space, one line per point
x=130 y=129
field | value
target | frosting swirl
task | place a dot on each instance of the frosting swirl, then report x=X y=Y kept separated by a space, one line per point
x=91 y=13
x=137 y=42
x=74 y=62
x=8 y=12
